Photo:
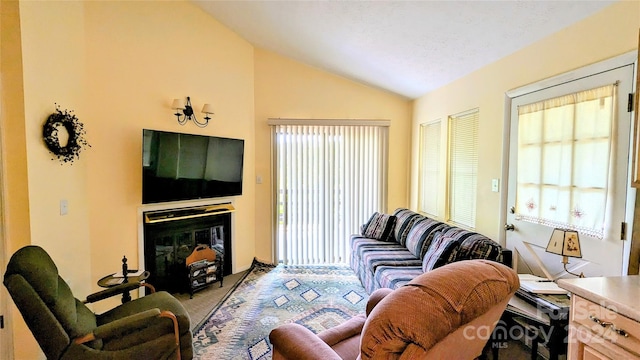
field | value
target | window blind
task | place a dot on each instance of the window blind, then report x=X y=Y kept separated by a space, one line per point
x=463 y=167
x=329 y=180
x=429 y=175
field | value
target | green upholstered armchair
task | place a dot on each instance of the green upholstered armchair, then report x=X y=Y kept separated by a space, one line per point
x=155 y=326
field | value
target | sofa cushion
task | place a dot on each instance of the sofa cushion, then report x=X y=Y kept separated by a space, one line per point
x=379 y=227
x=405 y=220
x=359 y=244
x=393 y=277
x=391 y=257
x=395 y=259
x=421 y=234
x=439 y=252
x=478 y=247
x=367 y=254
x=472 y=245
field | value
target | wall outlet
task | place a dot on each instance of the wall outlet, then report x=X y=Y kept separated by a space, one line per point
x=258 y=179
x=64 y=207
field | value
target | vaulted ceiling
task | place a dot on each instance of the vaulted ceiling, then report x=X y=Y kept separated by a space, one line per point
x=406 y=47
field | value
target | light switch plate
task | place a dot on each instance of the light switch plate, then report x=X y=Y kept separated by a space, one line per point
x=64 y=207
x=495 y=185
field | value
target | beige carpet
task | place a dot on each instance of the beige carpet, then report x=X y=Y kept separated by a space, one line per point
x=206 y=299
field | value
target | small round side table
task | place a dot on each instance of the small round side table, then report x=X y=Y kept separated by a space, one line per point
x=111 y=281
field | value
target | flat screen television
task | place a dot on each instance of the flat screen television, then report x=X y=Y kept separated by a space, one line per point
x=179 y=166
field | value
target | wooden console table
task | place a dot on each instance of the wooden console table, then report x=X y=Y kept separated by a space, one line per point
x=605 y=317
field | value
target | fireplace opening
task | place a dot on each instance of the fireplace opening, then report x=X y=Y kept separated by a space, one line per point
x=172 y=235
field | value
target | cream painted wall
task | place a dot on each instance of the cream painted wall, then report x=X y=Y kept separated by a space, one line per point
x=118 y=65
x=287 y=89
x=608 y=33
x=53 y=72
x=140 y=56
x=15 y=204
x=14 y=167
x=53 y=68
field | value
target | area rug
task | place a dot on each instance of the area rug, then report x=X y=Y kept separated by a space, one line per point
x=317 y=297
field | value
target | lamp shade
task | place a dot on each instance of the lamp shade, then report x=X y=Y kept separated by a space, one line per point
x=207 y=109
x=564 y=242
x=177 y=104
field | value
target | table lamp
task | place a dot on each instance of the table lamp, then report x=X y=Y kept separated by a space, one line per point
x=567 y=244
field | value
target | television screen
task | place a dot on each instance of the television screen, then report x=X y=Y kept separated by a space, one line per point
x=185 y=167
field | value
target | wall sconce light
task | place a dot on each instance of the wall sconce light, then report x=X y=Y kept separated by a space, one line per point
x=188 y=114
x=567 y=244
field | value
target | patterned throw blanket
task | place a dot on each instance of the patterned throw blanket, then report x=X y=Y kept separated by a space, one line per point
x=318 y=297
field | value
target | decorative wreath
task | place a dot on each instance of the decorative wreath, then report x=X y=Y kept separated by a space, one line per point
x=75 y=129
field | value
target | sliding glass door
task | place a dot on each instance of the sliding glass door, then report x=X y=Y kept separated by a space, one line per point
x=329 y=180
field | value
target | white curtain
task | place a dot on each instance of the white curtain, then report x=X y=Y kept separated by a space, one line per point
x=565 y=156
x=329 y=180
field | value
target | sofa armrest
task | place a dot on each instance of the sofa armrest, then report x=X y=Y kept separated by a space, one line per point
x=506 y=257
x=294 y=341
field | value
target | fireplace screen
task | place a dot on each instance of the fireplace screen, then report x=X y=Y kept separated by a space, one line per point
x=167 y=243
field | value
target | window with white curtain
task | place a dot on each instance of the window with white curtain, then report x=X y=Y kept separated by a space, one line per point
x=330 y=177
x=463 y=168
x=429 y=174
x=565 y=153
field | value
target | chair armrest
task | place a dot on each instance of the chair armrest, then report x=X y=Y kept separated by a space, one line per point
x=122 y=326
x=376 y=297
x=294 y=341
x=348 y=329
x=116 y=290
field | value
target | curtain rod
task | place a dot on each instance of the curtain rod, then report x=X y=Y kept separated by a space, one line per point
x=328 y=122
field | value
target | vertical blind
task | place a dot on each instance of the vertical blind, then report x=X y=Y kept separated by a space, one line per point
x=329 y=179
x=429 y=176
x=565 y=156
x=463 y=167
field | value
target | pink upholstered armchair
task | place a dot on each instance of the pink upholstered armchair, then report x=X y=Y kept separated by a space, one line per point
x=446 y=313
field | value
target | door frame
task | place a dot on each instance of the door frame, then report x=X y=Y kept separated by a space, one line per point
x=629 y=58
x=6 y=333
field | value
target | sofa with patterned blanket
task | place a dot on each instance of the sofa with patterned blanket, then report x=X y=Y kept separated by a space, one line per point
x=392 y=249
